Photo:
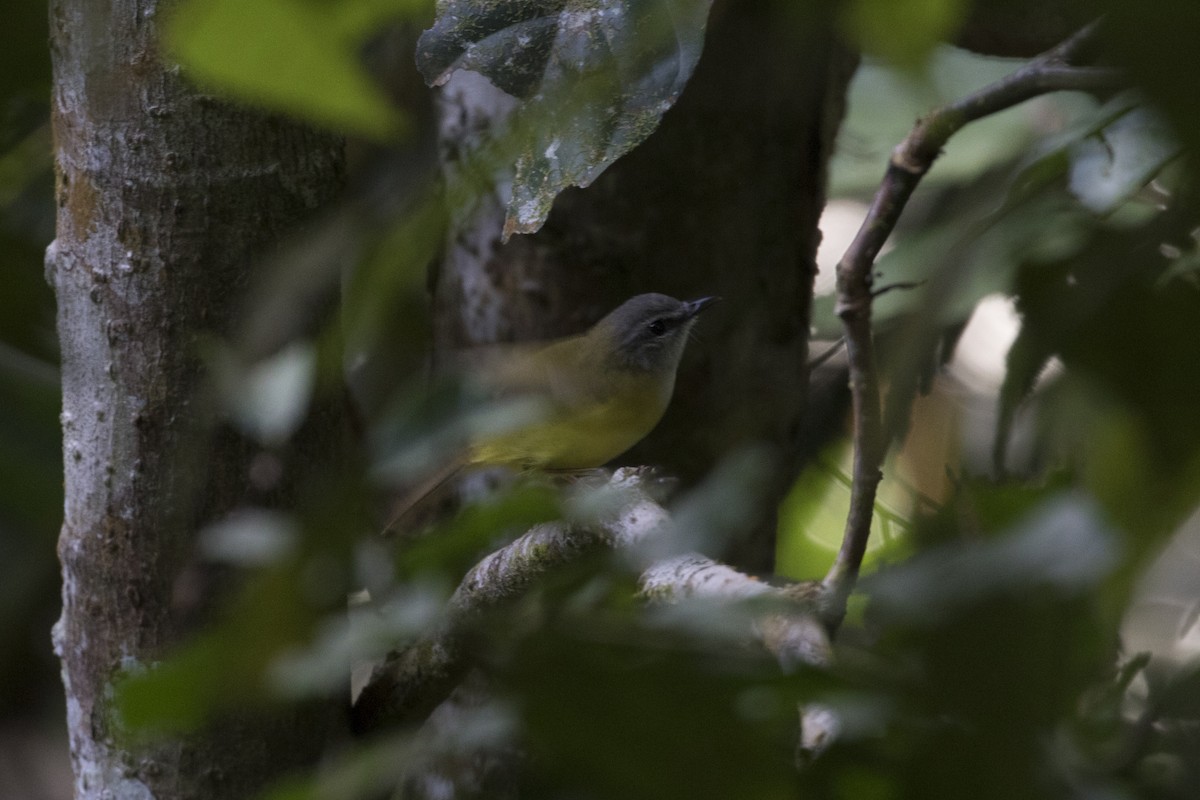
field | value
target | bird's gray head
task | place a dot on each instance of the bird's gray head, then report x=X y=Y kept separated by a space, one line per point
x=647 y=332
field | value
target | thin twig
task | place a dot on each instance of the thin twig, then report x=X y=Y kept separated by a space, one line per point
x=827 y=353
x=891 y=287
x=1051 y=72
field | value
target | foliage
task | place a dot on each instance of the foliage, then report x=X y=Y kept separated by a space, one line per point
x=307 y=65
x=986 y=663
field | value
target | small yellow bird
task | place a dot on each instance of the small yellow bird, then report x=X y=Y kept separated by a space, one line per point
x=597 y=393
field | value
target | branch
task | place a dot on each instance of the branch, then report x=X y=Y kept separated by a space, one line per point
x=1051 y=72
x=794 y=636
x=793 y=639
x=409 y=684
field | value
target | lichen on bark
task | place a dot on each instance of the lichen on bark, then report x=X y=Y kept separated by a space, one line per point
x=166 y=196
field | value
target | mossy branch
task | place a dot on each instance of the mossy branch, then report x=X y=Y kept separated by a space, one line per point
x=408 y=685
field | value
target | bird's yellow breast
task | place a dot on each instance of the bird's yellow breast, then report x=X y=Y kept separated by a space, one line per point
x=582 y=429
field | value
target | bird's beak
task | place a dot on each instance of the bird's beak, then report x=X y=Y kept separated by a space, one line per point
x=694 y=307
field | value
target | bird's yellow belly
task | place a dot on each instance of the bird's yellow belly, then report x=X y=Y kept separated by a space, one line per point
x=578 y=437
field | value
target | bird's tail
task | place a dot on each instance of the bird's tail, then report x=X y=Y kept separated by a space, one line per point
x=408 y=509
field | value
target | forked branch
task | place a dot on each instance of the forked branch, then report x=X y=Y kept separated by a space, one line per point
x=1054 y=71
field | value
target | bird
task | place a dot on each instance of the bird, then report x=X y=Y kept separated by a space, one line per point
x=593 y=395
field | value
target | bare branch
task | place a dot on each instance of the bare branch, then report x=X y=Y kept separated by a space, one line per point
x=1051 y=72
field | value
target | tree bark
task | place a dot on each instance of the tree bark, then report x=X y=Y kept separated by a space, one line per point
x=724 y=198
x=165 y=197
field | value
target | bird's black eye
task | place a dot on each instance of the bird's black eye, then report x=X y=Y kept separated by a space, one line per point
x=658 y=327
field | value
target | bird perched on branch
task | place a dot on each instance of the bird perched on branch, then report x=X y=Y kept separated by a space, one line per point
x=591 y=396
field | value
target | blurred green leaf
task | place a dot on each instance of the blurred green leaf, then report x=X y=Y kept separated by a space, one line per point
x=368 y=632
x=902 y=31
x=385 y=765
x=1064 y=546
x=292 y=56
x=711 y=516
x=181 y=693
x=250 y=538
x=456 y=544
x=368 y=771
x=974 y=651
x=228 y=666
x=1175 y=690
x=812 y=518
x=267 y=399
x=392 y=276
x=1109 y=167
x=884 y=103
x=617 y=711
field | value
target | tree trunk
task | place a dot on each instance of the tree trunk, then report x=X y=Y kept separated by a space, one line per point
x=165 y=197
x=724 y=198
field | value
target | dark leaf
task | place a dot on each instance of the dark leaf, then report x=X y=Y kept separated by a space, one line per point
x=650 y=713
x=596 y=79
x=1064 y=546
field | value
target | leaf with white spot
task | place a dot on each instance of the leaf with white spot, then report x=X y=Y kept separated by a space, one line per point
x=595 y=78
x=268 y=400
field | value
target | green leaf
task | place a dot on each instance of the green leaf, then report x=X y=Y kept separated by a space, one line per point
x=980 y=646
x=812 y=518
x=902 y=31
x=596 y=78
x=228 y=666
x=460 y=542
x=250 y=537
x=1110 y=167
x=883 y=103
x=371 y=770
x=291 y=56
x=268 y=399
x=613 y=711
x=1064 y=546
